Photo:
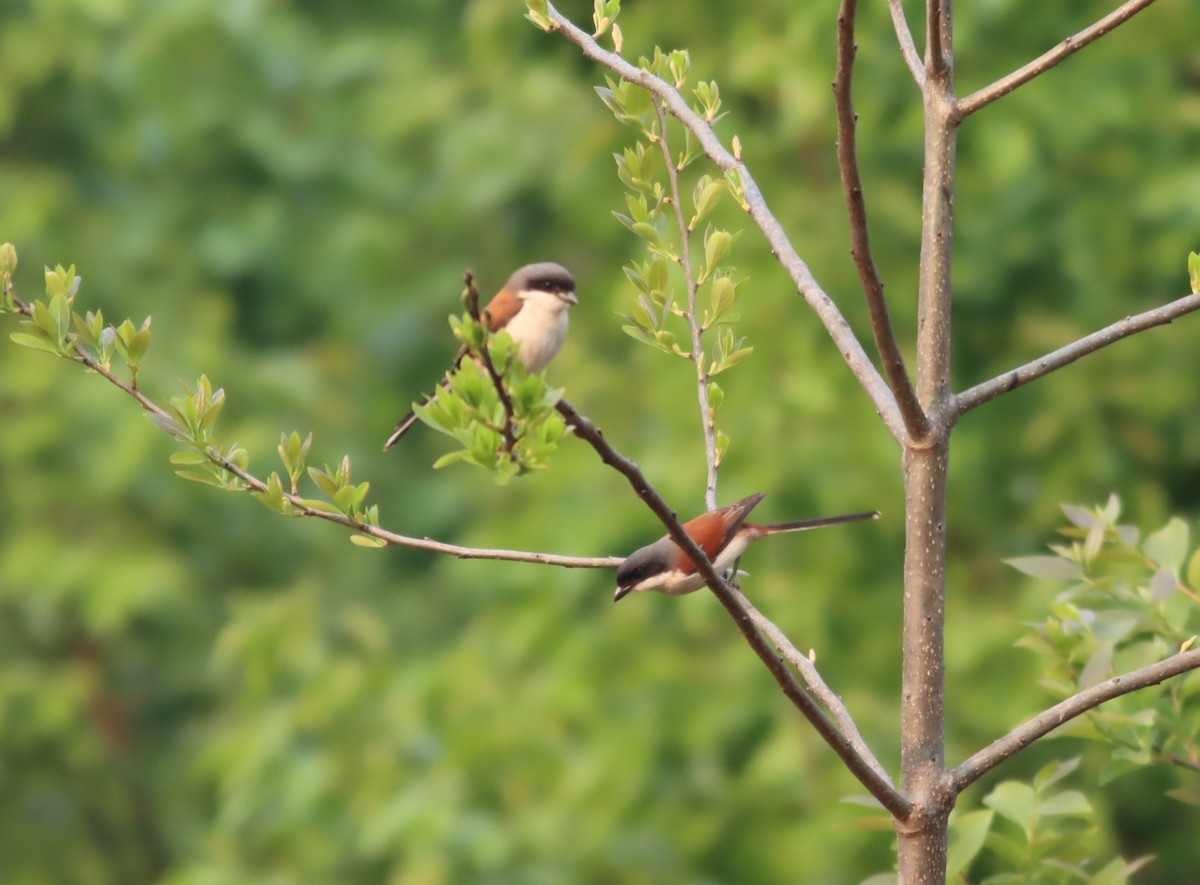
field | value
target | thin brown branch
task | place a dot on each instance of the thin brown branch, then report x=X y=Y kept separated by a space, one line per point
x=937 y=24
x=852 y=751
x=1023 y=735
x=756 y=205
x=908 y=48
x=981 y=98
x=689 y=278
x=1160 y=316
x=396 y=540
x=472 y=302
x=915 y=419
x=253 y=483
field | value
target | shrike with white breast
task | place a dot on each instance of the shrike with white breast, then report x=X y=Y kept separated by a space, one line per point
x=532 y=308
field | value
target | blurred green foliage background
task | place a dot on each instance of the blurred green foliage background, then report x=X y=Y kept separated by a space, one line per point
x=194 y=690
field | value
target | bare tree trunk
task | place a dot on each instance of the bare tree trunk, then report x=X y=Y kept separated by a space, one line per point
x=923 y=837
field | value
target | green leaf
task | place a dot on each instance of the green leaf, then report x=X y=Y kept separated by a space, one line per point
x=61 y=283
x=367 y=541
x=1098 y=669
x=169 y=424
x=139 y=343
x=8 y=258
x=273 y=496
x=450 y=458
x=722 y=442
x=539 y=13
x=319 y=504
x=635 y=276
x=645 y=336
x=716 y=396
x=324 y=481
x=1118 y=871
x=1194 y=272
x=723 y=294
x=705 y=196
x=1193 y=571
x=1116 y=768
x=35 y=342
x=1070 y=803
x=967 y=835
x=1169 y=545
x=679 y=64
x=647 y=232
x=189 y=456
x=1016 y=802
x=1053 y=568
x=206 y=478
x=716 y=247
x=1080 y=516
x=1051 y=774
x=599 y=19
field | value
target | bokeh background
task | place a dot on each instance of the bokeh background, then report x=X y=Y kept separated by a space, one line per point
x=195 y=690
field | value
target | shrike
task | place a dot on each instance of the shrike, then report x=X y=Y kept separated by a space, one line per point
x=722 y=534
x=532 y=308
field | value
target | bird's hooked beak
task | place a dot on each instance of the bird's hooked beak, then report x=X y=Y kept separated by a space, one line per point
x=622 y=592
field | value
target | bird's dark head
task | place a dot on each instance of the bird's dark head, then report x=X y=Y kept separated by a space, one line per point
x=643 y=569
x=545 y=276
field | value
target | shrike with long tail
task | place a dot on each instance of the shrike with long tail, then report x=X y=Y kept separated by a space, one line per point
x=722 y=534
x=532 y=308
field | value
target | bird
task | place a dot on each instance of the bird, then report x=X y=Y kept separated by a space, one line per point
x=722 y=534
x=532 y=308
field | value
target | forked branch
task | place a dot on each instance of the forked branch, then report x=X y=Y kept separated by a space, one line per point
x=915 y=419
x=756 y=205
x=848 y=745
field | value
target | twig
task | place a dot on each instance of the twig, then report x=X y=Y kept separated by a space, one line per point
x=816 y=684
x=472 y=303
x=981 y=98
x=755 y=204
x=908 y=48
x=697 y=355
x=936 y=35
x=1023 y=735
x=1064 y=356
x=860 y=249
x=255 y=484
x=420 y=543
x=850 y=749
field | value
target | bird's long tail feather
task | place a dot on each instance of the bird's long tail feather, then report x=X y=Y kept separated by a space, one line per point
x=407 y=422
x=819 y=522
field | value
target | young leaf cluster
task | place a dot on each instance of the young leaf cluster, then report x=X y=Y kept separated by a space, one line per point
x=191 y=419
x=1129 y=601
x=54 y=326
x=502 y=415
